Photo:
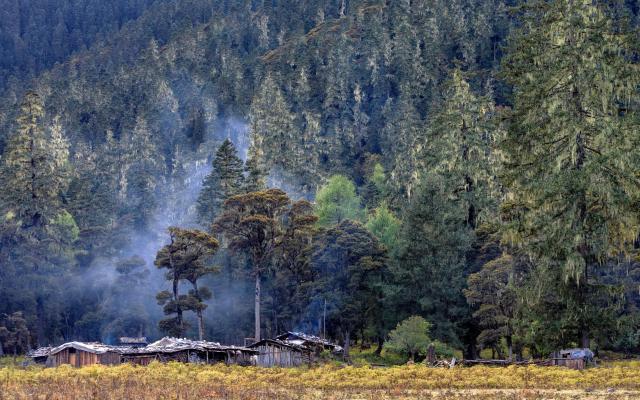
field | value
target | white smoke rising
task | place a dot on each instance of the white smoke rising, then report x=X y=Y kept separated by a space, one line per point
x=176 y=206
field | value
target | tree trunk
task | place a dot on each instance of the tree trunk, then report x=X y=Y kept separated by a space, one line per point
x=510 y=347
x=199 y=312
x=200 y=325
x=585 y=341
x=470 y=352
x=257 y=309
x=347 y=340
x=176 y=282
x=175 y=298
x=378 y=351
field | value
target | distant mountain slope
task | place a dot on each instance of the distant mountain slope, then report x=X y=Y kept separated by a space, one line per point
x=346 y=73
x=174 y=53
x=36 y=34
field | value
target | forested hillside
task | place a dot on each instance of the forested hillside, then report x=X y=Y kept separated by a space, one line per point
x=234 y=169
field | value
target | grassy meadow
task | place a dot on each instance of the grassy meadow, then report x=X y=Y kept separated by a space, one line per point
x=616 y=380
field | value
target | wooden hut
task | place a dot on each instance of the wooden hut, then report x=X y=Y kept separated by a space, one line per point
x=40 y=355
x=314 y=343
x=190 y=351
x=79 y=354
x=277 y=353
x=573 y=358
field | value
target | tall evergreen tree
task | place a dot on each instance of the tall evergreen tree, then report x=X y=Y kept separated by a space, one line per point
x=255 y=167
x=337 y=201
x=143 y=167
x=348 y=264
x=33 y=168
x=225 y=180
x=252 y=225
x=430 y=271
x=273 y=124
x=459 y=147
x=572 y=147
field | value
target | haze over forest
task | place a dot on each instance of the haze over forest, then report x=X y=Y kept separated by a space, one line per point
x=236 y=169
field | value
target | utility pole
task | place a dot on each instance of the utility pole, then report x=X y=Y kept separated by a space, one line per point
x=324 y=320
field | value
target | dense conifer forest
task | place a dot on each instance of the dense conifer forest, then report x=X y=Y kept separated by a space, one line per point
x=236 y=169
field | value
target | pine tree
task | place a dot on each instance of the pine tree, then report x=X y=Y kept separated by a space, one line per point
x=459 y=147
x=349 y=264
x=252 y=225
x=93 y=194
x=572 y=146
x=375 y=189
x=403 y=132
x=34 y=167
x=186 y=257
x=14 y=333
x=494 y=290
x=430 y=270
x=255 y=169
x=225 y=180
x=143 y=169
x=273 y=125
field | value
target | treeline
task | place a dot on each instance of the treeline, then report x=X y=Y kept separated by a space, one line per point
x=470 y=162
x=34 y=35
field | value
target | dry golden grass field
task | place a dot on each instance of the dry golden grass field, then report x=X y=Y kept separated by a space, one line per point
x=619 y=380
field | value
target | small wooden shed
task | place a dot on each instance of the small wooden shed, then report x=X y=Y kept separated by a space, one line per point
x=79 y=354
x=573 y=358
x=277 y=353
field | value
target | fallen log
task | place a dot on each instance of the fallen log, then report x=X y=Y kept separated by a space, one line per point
x=496 y=362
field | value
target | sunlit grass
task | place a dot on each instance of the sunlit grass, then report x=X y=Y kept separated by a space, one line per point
x=175 y=380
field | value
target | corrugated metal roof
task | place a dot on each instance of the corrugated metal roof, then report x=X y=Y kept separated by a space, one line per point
x=172 y=345
x=40 y=352
x=303 y=337
x=91 y=347
x=133 y=340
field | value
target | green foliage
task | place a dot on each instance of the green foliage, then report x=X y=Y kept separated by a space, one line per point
x=67 y=225
x=142 y=166
x=33 y=166
x=430 y=271
x=572 y=148
x=460 y=148
x=225 y=180
x=255 y=171
x=410 y=337
x=385 y=226
x=349 y=265
x=444 y=350
x=375 y=189
x=187 y=258
x=337 y=201
x=251 y=224
x=494 y=292
x=14 y=334
x=399 y=98
x=370 y=357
